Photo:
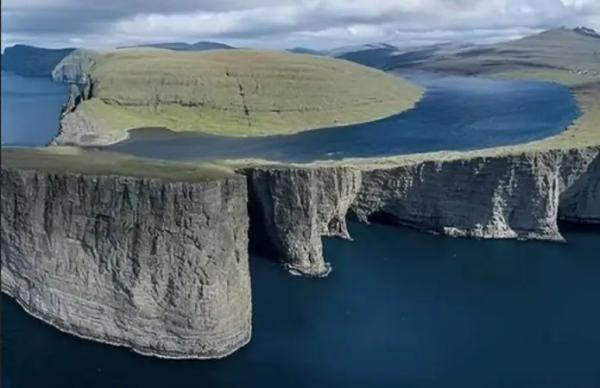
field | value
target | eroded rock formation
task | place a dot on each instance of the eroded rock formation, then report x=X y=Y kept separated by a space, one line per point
x=160 y=267
x=508 y=196
x=75 y=67
x=298 y=206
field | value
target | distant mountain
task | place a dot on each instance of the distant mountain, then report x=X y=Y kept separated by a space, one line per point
x=180 y=46
x=304 y=50
x=375 y=55
x=416 y=56
x=30 y=61
x=385 y=56
x=587 y=32
x=574 y=50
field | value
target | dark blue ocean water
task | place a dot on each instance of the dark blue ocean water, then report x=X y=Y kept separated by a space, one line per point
x=400 y=309
x=30 y=109
x=456 y=113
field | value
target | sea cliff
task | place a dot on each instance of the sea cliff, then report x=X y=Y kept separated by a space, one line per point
x=159 y=266
x=75 y=67
x=158 y=260
x=520 y=195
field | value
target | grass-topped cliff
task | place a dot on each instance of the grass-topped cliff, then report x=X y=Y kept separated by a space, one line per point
x=73 y=160
x=240 y=93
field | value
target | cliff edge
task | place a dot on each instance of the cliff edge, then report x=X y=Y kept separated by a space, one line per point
x=156 y=262
x=520 y=195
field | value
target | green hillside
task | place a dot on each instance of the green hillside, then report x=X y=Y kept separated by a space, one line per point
x=237 y=92
x=560 y=49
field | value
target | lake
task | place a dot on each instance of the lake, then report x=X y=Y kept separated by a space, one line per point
x=400 y=309
x=456 y=113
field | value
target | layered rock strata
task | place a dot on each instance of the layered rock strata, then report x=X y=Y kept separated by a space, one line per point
x=159 y=267
x=298 y=206
x=506 y=196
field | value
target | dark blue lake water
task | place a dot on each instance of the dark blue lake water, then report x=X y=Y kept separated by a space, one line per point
x=400 y=309
x=456 y=113
x=30 y=109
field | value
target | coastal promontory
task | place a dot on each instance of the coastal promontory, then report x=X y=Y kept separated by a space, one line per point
x=148 y=255
x=228 y=92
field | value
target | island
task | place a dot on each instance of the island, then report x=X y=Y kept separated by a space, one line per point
x=153 y=255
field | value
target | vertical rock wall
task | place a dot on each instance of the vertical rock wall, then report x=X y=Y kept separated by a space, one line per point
x=496 y=197
x=507 y=196
x=298 y=206
x=160 y=267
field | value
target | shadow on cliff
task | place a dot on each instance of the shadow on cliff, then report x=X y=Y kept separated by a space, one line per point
x=577 y=227
x=260 y=243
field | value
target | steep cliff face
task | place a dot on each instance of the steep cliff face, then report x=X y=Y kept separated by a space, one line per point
x=75 y=128
x=510 y=196
x=497 y=197
x=160 y=267
x=75 y=67
x=580 y=186
x=297 y=206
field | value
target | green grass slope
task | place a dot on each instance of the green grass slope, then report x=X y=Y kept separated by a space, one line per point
x=75 y=160
x=564 y=56
x=559 y=49
x=239 y=92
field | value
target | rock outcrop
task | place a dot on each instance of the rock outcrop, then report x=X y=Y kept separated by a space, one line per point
x=519 y=195
x=75 y=67
x=75 y=127
x=161 y=265
x=487 y=197
x=297 y=206
x=158 y=266
x=580 y=186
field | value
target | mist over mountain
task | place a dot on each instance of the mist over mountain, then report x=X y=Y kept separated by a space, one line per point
x=181 y=46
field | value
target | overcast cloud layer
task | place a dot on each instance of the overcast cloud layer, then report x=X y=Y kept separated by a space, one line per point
x=284 y=23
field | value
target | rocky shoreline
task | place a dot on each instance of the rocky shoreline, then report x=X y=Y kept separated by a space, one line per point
x=162 y=266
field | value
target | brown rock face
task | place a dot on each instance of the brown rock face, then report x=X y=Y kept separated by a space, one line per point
x=160 y=267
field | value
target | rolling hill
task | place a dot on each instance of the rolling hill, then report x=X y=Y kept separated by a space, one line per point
x=568 y=50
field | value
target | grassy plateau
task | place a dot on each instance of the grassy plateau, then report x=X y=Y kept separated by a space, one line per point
x=75 y=160
x=239 y=92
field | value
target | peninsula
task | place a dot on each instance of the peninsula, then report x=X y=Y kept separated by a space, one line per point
x=228 y=92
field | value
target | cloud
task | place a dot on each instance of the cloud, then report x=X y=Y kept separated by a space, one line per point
x=280 y=23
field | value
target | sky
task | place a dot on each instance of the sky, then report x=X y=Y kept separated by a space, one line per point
x=319 y=24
